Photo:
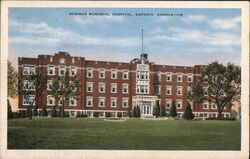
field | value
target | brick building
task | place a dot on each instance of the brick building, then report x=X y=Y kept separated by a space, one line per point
x=117 y=87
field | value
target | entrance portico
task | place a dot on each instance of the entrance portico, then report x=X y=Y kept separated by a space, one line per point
x=146 y=104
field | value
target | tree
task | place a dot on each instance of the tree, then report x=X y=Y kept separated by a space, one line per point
x=12 y=87
x=65 y=88
x=173 y=112
x=224 y=85
x=136 y=112
x=10 y=114
x=31 y=89
x=188 y=114
x=156 y=111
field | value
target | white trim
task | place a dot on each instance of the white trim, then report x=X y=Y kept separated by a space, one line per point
x=53 y=100
x=99 y=86
x=89 y=98
x=71 y=69
x=125 y=85
x=127 y=101
x=91 y=86
x=179 y=88
x=62 y=68
x=170 y=89
x=53 y=70
x=101 y=70
x=113 y=72
x=179 y=101
x=91 y=72
x=113 y=99
x=115 y=86
x=101 y=99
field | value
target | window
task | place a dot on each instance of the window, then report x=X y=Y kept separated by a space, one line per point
x=113 y=87
x=50 y=100
x=49 y=85
x=125 y=88
x=168 y=90
x=179 y=90
x=89 y=72
x=51 y=70
x=179 y=104
x=159 y=75
x=205 y=104
x=142 y=89
x=28 y=85
x=113 y=74
x=159 y=89
x=28 y=99
x=72 y=71
x=73 y=85
x=101 y=73
x=142 y=75
x=190 y=77
x=205 y=79
x=213 y=105
x=222 y=93
x=124 y=102
x=169 y=77
x=101 y=102
x=179 y=77
x=62 y=70
x=89 y=86
x=89 y=101
x=125 y=75
x=113 y=101
x=60 y=101
x=205 y=91
x=168 y=103
x=189 y=90
x=72 y=102
x=29 y=70
x=101 y=88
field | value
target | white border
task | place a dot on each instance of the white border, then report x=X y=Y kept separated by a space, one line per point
x=68 y=154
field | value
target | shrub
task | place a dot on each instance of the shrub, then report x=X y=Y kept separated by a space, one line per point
x=53 y=112
x=129 y=114
x=22 y=114
x=96 y=114
x=156 y=109
x=44 y=111
x=119 y=114
x=10 y=115
x=35 y=112
x=107 y=114
x=188 y=114
x=162 y=112
x=173 y=112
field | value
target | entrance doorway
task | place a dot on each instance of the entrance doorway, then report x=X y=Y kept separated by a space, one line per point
x=146 y=110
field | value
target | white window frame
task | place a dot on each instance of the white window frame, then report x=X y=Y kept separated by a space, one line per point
x=125 y=100
x=125 y=86
x=179 y=101
x=159 y=89
x=168 y=101
x=190 y=76
x=89 y=98
x=181 y=76
x=29 y=69
x=113 y=71
x=89 y=70
x=205 y=91
x=49 y=82
x=62 y=68
x=89 y=85
x=125 y=72
x=179 y=88
x=99 y=87
x=53 y=99
x=204 y=103
x=158 y=74
x=70 y=104
x=71 y=83
x=169 y=74
x=114 y=85
x=102 y=70
x=170 y=88
x=73 y=69
x=101 y=99
x=51 y=67
x=28 y=101
x=113 y=99
x=59 y=101
x=214 y=104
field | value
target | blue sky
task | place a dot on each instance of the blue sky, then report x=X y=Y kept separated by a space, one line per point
x=199 y=36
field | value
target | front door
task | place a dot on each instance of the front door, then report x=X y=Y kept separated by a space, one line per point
x=146 y=110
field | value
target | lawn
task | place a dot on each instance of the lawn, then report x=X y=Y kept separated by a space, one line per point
x=132 y=134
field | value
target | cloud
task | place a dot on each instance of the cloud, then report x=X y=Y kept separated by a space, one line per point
x=232 y=23
x=194 y=18
x=199 y=37
x=85 y=20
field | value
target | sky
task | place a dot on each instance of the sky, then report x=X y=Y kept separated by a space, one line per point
x=188 y=37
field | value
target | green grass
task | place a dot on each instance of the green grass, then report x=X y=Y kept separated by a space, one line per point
x=133 y=134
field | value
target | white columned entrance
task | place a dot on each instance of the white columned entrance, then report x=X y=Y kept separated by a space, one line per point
x=146 y=104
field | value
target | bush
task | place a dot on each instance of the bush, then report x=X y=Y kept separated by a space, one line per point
x=35 y=112
x=156 y=109
x=136 y=112
x=44 y=111
x=119 y=114
x=29 y=111
x=129 y=114
x=53 y=112
x=96 y=114
x=162 y=112
x=22 y=114
x=107 y=114
x=188 y=114
x=16 y=115
x=10 y=115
